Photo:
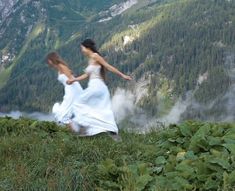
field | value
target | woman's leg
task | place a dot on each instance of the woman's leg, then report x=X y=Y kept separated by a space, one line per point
x=70 y=127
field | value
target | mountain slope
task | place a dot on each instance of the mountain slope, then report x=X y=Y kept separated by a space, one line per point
x=177 y=46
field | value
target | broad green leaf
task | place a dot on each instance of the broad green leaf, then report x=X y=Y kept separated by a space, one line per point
x=190 y=155
x=198 y=141
x=185 y=169
x=222 y=162
x=229 y=138
x=157 y=169
x=181 y=184
x=230 y=147
x=211 y=184
x=214 y=140
x=142 y=181
x=185 y=130
x=160 y=160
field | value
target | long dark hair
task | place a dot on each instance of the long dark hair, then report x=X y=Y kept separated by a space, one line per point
x=89 y=43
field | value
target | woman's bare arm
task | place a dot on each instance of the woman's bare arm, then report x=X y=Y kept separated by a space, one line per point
x=79 y=78
x=66 y=71
x=109 y=67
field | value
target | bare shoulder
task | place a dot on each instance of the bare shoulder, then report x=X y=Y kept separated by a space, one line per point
x=65 y=70
x=95 y=56
x=98 y=58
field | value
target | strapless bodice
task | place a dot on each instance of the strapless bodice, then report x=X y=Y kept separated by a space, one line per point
x=93 y=70
x=62 y=78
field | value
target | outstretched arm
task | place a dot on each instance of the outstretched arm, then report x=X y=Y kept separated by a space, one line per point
x=79 y=78
x=109 y=67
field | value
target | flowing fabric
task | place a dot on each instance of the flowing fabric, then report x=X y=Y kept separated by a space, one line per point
x=63 y=111
x=89 y=108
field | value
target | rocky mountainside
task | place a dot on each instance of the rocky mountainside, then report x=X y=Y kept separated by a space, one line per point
x=6 y=8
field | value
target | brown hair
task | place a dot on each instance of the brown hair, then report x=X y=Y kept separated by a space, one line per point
x=89 y=43
x=55 y=58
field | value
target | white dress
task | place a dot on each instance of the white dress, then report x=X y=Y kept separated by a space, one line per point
x=93 y=109
x=63 y=111
x=89 y=108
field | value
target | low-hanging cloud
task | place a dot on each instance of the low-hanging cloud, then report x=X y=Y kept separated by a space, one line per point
x=34 y=115
x=123 y=103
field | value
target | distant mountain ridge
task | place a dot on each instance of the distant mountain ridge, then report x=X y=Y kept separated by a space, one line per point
x=170 y=47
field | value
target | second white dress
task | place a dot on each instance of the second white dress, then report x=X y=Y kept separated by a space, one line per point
x=89 y=108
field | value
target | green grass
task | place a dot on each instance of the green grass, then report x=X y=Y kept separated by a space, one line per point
x=43 y=156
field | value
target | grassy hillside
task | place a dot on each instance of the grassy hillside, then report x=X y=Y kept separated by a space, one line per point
x=43 y=156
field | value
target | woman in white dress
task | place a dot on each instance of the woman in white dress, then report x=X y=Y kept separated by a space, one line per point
x=93 y=109
x=63 y=111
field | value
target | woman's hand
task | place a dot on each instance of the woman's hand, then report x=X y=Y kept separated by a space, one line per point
x=70 y=81
x=126 y=77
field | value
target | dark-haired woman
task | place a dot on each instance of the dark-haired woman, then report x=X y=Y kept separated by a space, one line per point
x=93 y=110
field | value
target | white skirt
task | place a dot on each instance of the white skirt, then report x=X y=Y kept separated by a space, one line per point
x=88 y=108
x=63 y=111
x=92 y=110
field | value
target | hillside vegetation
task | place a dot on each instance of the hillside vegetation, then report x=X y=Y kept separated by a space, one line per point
x=43 y=156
